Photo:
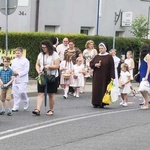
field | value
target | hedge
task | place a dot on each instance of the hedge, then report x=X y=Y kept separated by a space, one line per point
x=31 y=42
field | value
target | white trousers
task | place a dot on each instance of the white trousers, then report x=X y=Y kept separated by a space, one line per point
x=19 y=93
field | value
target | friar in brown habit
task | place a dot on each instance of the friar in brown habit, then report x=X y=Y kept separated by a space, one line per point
x=103 y=72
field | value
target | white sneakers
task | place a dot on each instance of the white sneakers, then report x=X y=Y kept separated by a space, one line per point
x=65 y=96
x=26 y=105
x=75 y=95
x=123 y=104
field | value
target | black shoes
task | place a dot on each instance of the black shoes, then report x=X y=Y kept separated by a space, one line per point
x=15 y=110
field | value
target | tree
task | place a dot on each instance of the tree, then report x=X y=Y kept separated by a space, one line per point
x=139 y=27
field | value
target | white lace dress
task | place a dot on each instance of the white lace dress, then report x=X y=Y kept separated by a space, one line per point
x=79 y=82
x=124 y=77
x=69 y=66
x=129 y=63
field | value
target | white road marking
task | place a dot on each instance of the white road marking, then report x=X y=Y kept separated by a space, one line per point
x=67 y=120
x=46 y=122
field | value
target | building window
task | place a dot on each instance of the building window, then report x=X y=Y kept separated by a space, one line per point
x=119 y=33
x=84 y=31
x=53 y=29
x=87 y=30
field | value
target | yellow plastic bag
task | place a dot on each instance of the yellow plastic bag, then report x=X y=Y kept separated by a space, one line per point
x=107 y=98
x=110 y=86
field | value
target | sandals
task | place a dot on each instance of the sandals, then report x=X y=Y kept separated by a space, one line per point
x=36 y=112
x=144 y=107
x=133 y=92
x=50 y=112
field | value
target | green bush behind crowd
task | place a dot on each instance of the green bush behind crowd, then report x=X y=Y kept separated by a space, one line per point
x=31 y=42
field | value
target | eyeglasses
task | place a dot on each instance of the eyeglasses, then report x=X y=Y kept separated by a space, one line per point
x=43 y=47
x=6 y=61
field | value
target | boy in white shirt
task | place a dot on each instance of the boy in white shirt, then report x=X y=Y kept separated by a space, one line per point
x=20 y=67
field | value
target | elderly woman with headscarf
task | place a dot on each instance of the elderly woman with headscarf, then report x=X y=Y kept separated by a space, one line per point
x=104 y=72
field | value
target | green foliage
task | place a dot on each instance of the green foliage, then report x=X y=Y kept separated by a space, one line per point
x=139 y=27
x=31 y=42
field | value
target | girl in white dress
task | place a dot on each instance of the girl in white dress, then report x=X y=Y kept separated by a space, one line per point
x=131 y=65
x=66 y=67
x=78 y=76
x=124 y=84
x=130 y=62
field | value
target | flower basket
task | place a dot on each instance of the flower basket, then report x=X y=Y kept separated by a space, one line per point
x=66 y=76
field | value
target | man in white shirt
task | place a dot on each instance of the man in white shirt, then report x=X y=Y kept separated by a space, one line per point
x=20 y=67
x=62 y=47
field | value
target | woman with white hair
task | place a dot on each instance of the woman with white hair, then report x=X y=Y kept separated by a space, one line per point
x=104 y=72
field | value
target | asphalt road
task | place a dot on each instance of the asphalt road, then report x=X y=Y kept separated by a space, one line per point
x=76 y=125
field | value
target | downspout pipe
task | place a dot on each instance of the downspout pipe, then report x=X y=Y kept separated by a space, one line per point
x=37 y=15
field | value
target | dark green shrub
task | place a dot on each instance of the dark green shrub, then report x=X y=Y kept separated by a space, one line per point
x=31 y=42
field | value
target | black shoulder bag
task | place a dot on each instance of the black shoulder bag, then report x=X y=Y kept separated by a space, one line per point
x=49 y=78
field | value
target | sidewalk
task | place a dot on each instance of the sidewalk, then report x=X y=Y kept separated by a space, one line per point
x=32 y=88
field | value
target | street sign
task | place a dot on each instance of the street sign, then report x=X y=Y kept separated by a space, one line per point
x=11 y=6
x=126 y=19
x=7 y=7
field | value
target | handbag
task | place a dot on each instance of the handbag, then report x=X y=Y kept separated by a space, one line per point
x=50 y=78
x=114 y=94
x=144 y=86
x=107 y=97
x=41 y=79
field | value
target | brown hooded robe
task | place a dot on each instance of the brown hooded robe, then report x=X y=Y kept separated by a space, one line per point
x=101 y=77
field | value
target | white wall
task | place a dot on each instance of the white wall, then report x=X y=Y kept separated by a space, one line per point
x=21 y=20
x=109 y=8
x=70 y=15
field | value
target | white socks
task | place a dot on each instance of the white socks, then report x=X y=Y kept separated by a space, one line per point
x=66 y=89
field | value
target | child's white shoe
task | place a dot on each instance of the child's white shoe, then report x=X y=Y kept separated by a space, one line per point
x=65 y=96
x=77 y=96
x=124 y=104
